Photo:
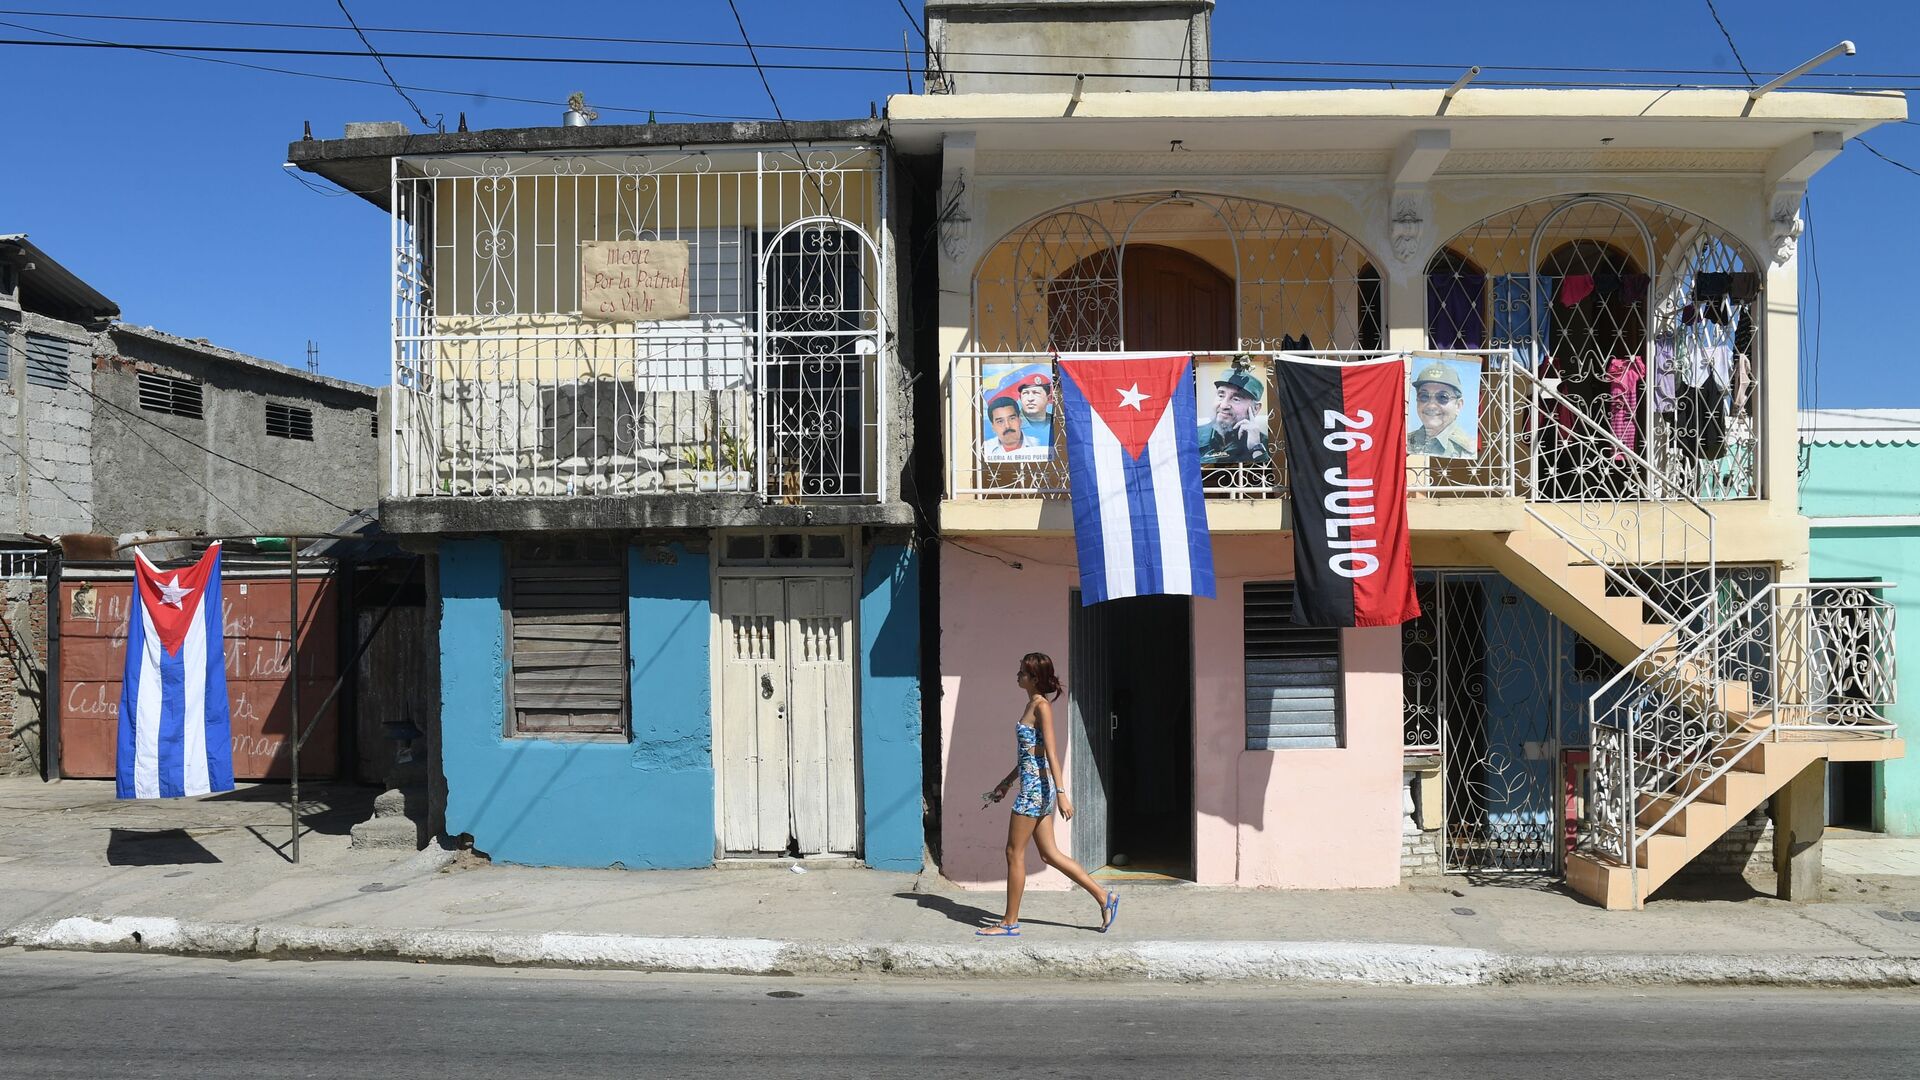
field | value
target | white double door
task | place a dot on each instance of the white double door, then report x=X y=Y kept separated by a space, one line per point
x=788 y=771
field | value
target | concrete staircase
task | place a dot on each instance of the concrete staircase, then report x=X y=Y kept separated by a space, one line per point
x=1557 y=574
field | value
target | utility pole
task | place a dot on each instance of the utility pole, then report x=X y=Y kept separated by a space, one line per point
x=313 y=356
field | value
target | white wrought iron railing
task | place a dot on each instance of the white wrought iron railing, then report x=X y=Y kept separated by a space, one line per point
x=774 y=381
x=977 y=470
x=1795 y=661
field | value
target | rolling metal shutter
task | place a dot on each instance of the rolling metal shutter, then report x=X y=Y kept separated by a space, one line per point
x=1292 y=674
x=567 y=635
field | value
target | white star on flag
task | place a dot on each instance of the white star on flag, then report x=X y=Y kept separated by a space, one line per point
x=171 y=592
x=1131 y=397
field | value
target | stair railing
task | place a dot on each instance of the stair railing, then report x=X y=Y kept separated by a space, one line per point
x=1794 y=658
x=1615 y=507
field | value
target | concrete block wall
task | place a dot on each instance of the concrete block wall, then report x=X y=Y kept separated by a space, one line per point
x=52 y=428
x=1746 y=847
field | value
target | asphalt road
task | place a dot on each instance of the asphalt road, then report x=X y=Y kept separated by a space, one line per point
x=74 y=1015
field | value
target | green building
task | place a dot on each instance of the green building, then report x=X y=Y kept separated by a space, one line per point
x=1860 y=487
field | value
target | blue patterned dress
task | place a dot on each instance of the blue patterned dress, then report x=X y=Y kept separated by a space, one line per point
x=1036 y=782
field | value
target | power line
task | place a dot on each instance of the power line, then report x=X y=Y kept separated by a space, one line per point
x=841 y=69
x=203 y=448
x=156 y=51
x=414 y=105
x=1711 y=10
x=181 y=469
x=1896 y=164
x=765 y=46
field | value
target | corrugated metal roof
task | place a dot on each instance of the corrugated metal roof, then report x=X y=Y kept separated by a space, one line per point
x=50 y=289
x=1853 y=427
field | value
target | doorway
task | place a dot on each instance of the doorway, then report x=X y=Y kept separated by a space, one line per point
x=1131 y=735
x=789 y=780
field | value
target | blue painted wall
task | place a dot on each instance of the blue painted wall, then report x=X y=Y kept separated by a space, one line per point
x=890 y=709
x=647 y=803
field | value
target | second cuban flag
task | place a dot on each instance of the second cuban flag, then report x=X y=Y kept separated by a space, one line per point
x=1139 y=515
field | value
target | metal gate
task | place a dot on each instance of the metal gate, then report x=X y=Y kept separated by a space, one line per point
x=95 y=610
x=1495 y=680
x=789 y=779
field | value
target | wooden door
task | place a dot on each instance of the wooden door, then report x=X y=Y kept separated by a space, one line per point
x=753 y=715
x=1090 y=734
x=788 y=770
x=1176 y=301
x=819 y=623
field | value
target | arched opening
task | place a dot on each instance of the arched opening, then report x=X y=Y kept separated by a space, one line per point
x=1169 y=299
x=1646 y=315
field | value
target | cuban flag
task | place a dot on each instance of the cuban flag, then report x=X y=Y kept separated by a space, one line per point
x=174 y=731
x=1139 y=517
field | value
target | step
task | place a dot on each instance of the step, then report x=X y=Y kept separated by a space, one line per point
x=1664 y=854
x=1606 y=883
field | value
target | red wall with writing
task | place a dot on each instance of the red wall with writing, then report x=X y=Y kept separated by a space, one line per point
x=93 y=658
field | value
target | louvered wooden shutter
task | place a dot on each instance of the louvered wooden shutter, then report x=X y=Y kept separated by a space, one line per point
x=567 y=604
x=1292 y=672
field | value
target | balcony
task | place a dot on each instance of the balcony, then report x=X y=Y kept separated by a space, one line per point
x=752 y=360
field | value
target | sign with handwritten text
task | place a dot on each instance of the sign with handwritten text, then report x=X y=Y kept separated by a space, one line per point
x=633 y=280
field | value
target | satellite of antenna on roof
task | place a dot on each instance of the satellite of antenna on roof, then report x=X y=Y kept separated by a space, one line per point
x=313 y=357
x=578 y=114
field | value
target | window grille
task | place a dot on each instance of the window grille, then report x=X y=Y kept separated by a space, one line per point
x=567 y=638
x=373 y=425
x=289 y=422
x=47 y=360
x=165 y=394
x=6 y=357
x=1292 y=674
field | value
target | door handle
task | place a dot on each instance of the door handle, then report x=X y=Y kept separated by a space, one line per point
x=766 y=686
x=1113 y=724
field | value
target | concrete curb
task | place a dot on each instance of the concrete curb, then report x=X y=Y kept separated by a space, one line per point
x=1341 y=963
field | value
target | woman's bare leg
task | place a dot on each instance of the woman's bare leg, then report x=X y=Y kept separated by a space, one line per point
x=1019 y=831
x=1050 y=851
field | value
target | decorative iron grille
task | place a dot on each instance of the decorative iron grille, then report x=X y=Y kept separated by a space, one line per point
x=773 y=382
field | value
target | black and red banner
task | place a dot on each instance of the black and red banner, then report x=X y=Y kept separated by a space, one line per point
x=1346 y=432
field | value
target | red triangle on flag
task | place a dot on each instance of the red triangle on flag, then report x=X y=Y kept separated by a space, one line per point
x=1132 y=394
x=172 y=597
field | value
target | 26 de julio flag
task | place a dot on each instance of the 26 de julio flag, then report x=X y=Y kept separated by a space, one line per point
x=1139 y=516
x=1346 y=432
x=174 y=730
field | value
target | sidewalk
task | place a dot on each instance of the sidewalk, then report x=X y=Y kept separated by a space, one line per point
x=80 y=870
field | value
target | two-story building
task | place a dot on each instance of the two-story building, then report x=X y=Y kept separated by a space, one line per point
x=1618 y=656
x=651 y=417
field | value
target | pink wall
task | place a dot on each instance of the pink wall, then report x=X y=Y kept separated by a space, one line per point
x=1285 y=819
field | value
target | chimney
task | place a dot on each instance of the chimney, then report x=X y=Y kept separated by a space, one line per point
x=1138 y=45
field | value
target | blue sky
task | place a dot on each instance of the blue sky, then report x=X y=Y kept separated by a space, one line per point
x=159 y=179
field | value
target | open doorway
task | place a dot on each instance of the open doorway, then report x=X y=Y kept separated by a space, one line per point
x=1131 y=730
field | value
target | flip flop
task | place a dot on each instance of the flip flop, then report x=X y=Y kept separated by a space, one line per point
x=1112 y=911
x=999 y=930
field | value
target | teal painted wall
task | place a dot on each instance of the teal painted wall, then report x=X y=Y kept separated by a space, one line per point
x=647 y=803
x=890 y=706
x=1877 y=480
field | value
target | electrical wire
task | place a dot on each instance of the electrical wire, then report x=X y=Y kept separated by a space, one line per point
x=1901 y=165
x=50 y=481
x=412 y=104
x=1715 y=12
x=181 y=469
x=765 y=46
x=842 y=69
x=376 y=82
x=205 y=449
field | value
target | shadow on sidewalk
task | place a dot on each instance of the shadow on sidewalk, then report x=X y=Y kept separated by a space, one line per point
x=155 y=847
x=969 y=915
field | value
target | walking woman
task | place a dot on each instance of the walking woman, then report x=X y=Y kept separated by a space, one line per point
x=1034 y=770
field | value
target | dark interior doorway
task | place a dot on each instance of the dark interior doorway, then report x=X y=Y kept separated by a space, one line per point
x=1132 y=735
x=1850 y=794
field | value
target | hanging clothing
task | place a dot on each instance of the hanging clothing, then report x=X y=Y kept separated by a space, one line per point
x=1701 y=420
x=1743 y=286
x=1624 y=375
x=1513 y=315
x=1711 y=285
x=1575 y=288
x=1662 y=375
